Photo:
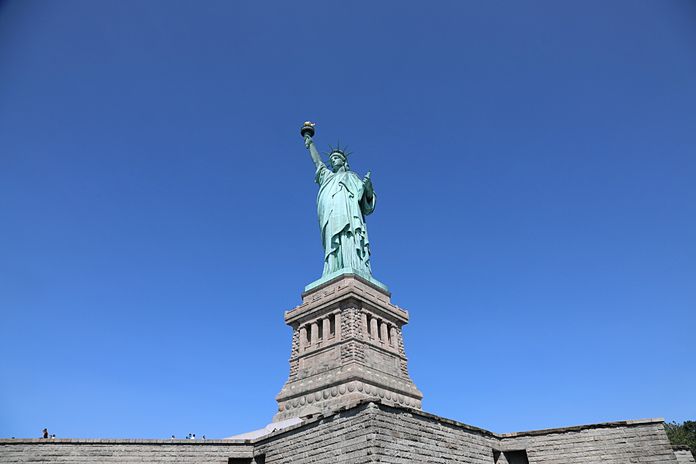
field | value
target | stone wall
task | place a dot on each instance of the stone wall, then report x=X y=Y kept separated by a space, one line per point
x=409 y=436
x=643 y=441
x=683 y=454
x=123 y=451
x=371 y=432
x=345 y=437
x=414 y=436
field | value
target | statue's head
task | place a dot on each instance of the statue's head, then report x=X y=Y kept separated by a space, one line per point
x=338 y=159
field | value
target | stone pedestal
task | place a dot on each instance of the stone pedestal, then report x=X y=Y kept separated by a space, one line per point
x=346 y=346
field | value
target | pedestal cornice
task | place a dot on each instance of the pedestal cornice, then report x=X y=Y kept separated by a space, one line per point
x=340 y=289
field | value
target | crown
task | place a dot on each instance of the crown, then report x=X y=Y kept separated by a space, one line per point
x=337 y=149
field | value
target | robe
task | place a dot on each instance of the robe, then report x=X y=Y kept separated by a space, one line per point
x=342 y=206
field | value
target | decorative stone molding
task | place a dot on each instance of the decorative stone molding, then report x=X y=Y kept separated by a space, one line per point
x=358 y=387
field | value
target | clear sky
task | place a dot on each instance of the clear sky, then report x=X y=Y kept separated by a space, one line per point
x=535 y=166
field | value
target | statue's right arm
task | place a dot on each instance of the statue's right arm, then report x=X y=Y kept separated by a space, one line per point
x=309 y=143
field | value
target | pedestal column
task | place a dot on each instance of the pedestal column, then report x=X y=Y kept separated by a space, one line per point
x=341 y=370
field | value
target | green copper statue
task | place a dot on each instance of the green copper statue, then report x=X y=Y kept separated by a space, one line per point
x=342 y=204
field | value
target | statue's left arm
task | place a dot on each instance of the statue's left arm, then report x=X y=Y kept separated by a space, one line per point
x=369 y=199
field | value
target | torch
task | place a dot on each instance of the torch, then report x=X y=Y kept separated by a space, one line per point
x=307 y=129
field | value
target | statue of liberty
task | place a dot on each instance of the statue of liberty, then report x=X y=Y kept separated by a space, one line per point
x=342 y=204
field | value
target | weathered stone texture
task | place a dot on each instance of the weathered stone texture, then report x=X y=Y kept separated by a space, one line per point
x=410 y=437
x=622 y=442
x=347 y=437
x=122 y=451
x=414 y=436
x=370 y=433
x=684 y=455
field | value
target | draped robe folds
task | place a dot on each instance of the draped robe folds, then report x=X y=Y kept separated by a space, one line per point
x=342 y=206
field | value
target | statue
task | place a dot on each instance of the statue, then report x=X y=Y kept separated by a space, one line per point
x=342 y=204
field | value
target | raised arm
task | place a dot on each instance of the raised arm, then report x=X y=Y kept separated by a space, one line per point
x=309 y=143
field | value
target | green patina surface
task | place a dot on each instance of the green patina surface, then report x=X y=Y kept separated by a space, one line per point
x=343 y=202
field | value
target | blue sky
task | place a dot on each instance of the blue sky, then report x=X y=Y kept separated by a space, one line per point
x=535 y=164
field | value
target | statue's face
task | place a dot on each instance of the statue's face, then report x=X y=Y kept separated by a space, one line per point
x=336 y=161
